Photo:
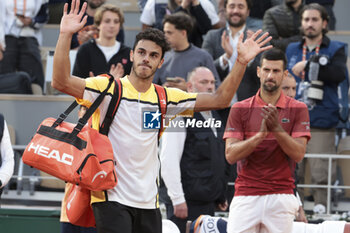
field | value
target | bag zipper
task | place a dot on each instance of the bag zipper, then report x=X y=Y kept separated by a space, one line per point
x=83 y=163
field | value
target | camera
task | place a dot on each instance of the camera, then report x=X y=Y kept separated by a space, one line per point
x=315 y=91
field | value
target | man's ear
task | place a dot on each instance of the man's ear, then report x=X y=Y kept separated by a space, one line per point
x=285 y=74
x=258 y=71
x=324 y=24
x=132 y=55
x=161 y=63
x=189 y=86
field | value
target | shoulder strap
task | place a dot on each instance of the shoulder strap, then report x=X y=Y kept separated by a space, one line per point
x=82 y=121
x=112 y=107
x=163 y=104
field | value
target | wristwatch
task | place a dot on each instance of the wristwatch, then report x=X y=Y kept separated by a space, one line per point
x=323 y=60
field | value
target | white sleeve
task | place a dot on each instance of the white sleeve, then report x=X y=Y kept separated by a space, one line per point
x=6 y=169
x=148 y=15
x=2 y=24
x=210 y=10
x=170 y=156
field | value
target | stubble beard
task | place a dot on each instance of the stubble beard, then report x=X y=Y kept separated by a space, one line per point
x=270 y=89
x=240 y=23
x=141 y=76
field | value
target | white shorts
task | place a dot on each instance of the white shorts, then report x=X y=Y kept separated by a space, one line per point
x=269 y=213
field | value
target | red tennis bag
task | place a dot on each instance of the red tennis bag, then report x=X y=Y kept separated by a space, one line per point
x=74 y=153
x=78 y=207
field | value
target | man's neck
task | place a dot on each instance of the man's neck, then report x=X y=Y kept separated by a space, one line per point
x=235 y=30
x=270 y=97
x=141 y=85
x=313 y=41
x=90 y=11
x=182 y=46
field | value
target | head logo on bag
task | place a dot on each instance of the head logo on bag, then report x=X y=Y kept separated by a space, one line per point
x=48 y=153
x=102 y=173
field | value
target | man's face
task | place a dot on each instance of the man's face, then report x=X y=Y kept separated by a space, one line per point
x=312 y=23
x=289 y=86
x=94 y=4
x=174 y=36
x=146 y=59
x=202 y=81
x=110 y=25
x=236 y=12
x=271 y=74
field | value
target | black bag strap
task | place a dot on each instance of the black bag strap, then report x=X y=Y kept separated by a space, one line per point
x=64 y=115
x=112 y=108
x=82 y=121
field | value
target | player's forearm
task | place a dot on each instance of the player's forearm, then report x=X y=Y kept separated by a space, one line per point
x=242 y=149
x=295 y=148
x=229 y=86
x=61 y=63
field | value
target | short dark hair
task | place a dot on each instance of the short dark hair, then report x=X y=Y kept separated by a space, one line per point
x=249 y=3
x=180 y=20
x=154 y=35
x=319 y=8
x=274 y=54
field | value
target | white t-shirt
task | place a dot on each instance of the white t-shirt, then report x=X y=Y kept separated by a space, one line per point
x=109 y=51
x=148 y=15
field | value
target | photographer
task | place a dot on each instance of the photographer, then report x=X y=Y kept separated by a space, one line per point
x=319 y=67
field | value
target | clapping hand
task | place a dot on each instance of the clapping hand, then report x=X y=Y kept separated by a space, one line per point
x=270 y=115
x=73 y=21
x=117 y=70
x=252 y=46
x=226 y=45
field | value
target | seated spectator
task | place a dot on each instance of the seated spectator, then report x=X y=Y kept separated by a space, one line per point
x=23 y=38
x=283 y=23
x=90 y=31
x=183 y=56
x=6 y=154
x=104 y=54
x=202 y=13
x=328 y=4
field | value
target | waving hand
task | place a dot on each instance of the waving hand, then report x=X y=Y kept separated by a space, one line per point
x=73 y=21
x=252 y=46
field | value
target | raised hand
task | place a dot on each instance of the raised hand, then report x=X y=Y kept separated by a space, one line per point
x=73 y=21
x=252 y=46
